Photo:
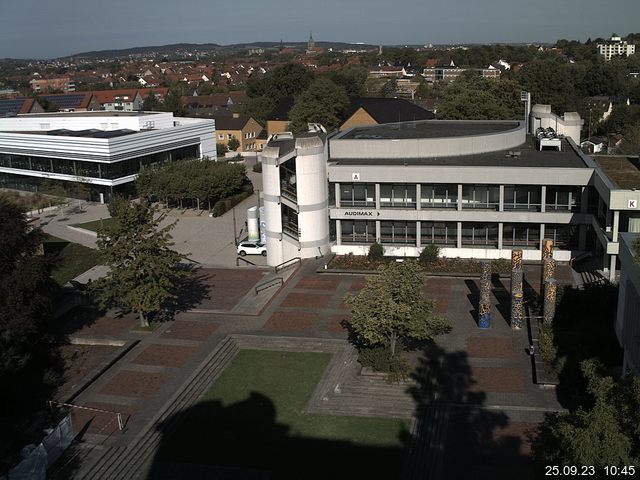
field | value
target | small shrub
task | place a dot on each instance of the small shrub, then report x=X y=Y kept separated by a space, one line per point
x=257 y=167
x=379 y=359
x=501 y=265
x=548 y=350
x=429 y=254
x=376 y=252
x=224 y=205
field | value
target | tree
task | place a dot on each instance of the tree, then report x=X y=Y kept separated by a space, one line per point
x=144 y=272
x=290 y=79
x=606 y=431
x=392 y=306
x=323 y=102
x=376 y=252
x=27 y=354
x=429 y=254
x=257 y=108
x=550 y=82
x=233 y=144
x=471 y=97
x=150 y=103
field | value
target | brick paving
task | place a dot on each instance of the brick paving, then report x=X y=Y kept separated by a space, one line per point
x=490 y=366
x=134 y=384
x=189 y=330
x=165 y=355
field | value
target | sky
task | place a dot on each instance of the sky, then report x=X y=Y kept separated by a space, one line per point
x=55 y=28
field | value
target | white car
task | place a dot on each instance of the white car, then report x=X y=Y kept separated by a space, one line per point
x=250 y=248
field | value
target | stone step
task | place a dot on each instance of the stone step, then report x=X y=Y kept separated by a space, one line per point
x=126 y=462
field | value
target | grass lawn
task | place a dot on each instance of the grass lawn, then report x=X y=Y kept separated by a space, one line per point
x=253 y=417
x=95 y=224
x=74 y=259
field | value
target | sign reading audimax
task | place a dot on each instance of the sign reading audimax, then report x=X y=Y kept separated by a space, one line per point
x=361 y=213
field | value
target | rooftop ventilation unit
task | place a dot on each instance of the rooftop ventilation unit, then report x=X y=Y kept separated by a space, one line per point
x=548 y=138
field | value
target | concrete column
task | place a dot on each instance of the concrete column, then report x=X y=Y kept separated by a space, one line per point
x=459 y=204
x=337 y=194
x=418 y=196
x=338 y=233
x=459 y=241
x=500 y=225
x=378 y=204
x=418 y=236
x=582 y=238
x=501 y=204
x=616 y=224
x=612 y=268
x=584 y=200
x=541 y=235
x=543 y=198
x=378 y=239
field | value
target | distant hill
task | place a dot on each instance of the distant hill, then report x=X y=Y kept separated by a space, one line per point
x=206 y=47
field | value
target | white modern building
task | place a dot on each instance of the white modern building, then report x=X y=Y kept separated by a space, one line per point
x=476 y=189
x=103 y=150
x=616 y=47
x=628 y=317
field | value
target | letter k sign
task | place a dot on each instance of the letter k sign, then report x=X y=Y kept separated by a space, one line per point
x=632 y=204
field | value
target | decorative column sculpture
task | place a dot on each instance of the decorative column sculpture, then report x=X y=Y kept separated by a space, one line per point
x=484 y=309
x=517 y=310
x=550 y=291
x=517 y=280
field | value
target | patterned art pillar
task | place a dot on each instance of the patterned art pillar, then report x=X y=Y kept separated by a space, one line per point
x=550 y=291
x=547 y=248
x=517 y=310
x=548 y=269
x=517 y=280
x=484 y=309
x=547 y=256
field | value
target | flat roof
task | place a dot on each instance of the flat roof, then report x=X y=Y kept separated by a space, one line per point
x=95 y=113
x=623 y=171
x=529 y=156
x=428 y=129
x=90 y=133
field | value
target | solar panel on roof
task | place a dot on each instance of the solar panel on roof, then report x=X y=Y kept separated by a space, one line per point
x=10 y=106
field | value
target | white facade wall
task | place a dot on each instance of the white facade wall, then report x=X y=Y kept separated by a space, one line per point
x=569 y=125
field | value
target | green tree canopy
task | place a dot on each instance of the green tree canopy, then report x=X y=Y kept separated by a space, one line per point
x=604 y=432
x=26 y=351
x=290 y=79
x=233 y=144
x=471 y=97
x=323 y=102
x=550 y=82
x=392 y=306
x=257 y=108
x=144 y=274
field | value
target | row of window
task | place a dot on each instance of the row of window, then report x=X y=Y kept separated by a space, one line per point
x=522 y=235
x=80 y=168
x=486 y=197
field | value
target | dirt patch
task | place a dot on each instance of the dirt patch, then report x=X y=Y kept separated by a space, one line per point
x=335 y=323
x=190 y=330
x=438 y=286
x=308 y=300
x=291 y=321
x=165 y=355
x=357 y=284
x=128 y=383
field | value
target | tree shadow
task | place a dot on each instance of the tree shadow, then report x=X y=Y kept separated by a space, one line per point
x=192 y=291
x=503 y=297
x=244 y=440
x=474 y=297
x=455 y=435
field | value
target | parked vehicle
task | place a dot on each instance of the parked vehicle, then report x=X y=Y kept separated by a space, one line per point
x=251 y=248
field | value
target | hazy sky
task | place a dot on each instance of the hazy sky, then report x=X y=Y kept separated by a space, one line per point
x=52 y=28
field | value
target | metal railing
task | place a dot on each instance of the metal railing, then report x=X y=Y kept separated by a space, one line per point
x=287 y=264
x=268 y=284
x=244 y=260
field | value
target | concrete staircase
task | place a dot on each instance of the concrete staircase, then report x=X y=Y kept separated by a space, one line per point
x=425 y=456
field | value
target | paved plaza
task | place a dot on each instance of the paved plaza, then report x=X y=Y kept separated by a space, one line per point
x=482 y=378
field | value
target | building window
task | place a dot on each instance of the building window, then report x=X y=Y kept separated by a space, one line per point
x=439 y=196
x=563 y=198
x=229 y=136
x=221 y=136
x=358 y=231
x=290 y=222
x=288 y=186
x=486 y=197
x=357 y=195
x=565 y=237
x=397 y=195
x=398 y=233
x=439 y=233
x=522 y=197
x=521 y=235
x=483 y=235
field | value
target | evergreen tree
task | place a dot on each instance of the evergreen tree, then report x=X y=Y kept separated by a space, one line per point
x=144 y=272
